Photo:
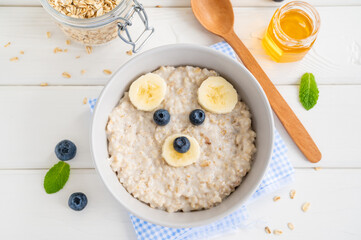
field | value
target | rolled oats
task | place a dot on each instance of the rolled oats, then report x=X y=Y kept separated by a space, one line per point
x=277 y=232
x=290 y=226
x=276 y=198
x=14 y=59
x=67 y=42
x=21 y=52
x=43 y=84
x=292 y=194
x=7 y=45
x=130 y=53
x=89 y=49
x=107 y=71
x=87 y=9
x=66 y=75
x=85 y=100
x=48 y=34
x=267 y=230
x=306 y=206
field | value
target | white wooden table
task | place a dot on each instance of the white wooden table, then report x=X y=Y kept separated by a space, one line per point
x=34 y=118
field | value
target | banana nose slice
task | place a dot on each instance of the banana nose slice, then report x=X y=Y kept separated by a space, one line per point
x=147 y=92
x=217 y=95
x=176 y=159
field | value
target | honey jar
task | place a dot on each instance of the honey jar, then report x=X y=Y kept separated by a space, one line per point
x=292 y=32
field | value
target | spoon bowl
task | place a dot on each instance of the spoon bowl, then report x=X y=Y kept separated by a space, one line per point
x=219 y=18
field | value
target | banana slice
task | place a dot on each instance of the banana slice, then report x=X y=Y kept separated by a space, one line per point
x=217 y=95
x=176 y=159
x=147 y=92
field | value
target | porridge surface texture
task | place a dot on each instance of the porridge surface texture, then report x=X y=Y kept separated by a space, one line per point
x=135 y=147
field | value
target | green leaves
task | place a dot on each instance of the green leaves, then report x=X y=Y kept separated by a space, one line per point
x=56 y=177
x=308 y=91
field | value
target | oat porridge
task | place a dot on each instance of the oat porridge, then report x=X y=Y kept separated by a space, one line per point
x=186 y=150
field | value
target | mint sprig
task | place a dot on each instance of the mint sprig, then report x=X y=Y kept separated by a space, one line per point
x=56 y=177
x=308 y=93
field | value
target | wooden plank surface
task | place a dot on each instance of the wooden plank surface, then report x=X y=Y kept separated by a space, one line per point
x=37 y=118
x=186 y=3
x=25 y=204
x=335 y=58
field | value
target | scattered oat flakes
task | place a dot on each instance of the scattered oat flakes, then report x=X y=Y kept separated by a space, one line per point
x=130 y=53
x=66 y=75
x=205 y=164
x=67 y=42
x=158 y=6
x=306 y=206
x=276 y=198
x=89 y=49
x=7 y=45
x=56 y=50
x=77 y=57
x=277 y=232
x=14 y=59
x=292 y=194
x=85 y=100
x=267 y=230
x=290 y=226
x=65 y=50
x=207 y=140
x=82 y=72
x=44 y=84
x=22 y=52
x=48 y=34
x=107 y=71
x=317 y=168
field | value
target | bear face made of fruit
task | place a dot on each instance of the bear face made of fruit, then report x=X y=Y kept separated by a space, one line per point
x=215 y=95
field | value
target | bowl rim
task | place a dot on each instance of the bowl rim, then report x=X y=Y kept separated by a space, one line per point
x=263 y=99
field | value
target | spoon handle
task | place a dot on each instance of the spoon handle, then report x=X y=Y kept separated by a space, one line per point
x=285 y=114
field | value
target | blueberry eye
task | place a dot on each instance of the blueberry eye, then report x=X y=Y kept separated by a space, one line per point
x=181 y=144
x=161 y=117
x=197 y=116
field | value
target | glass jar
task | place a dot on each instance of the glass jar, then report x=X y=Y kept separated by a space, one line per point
x=102 y=29
x=292 y=32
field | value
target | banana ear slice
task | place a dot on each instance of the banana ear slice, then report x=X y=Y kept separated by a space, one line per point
x=147 y=92
x=217 y=95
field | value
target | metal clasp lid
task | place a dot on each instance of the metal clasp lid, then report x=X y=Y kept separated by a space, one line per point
x=137 y=44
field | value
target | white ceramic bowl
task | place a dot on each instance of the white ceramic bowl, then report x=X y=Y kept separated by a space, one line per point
x=184 y=54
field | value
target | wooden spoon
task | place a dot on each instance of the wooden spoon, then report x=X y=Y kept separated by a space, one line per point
x=217 y=17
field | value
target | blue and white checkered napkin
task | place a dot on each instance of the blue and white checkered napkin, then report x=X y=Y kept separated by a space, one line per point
x=279 y=174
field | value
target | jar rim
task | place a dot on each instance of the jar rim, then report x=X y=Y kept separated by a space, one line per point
x=86 y=22
x=309 y=10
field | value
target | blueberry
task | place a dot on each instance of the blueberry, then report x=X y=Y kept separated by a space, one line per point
x=65 y=150
x=181 y=144
x=77 y=201
x=197 y=117
x=278 y=0
x=161 y=117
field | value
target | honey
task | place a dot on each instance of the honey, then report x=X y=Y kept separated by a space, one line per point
x=292 y=31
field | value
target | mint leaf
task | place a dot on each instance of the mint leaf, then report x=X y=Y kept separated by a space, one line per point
x=56 y=177
x=308 y=91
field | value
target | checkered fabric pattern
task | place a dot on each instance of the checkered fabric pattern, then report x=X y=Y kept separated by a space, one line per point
x=279 y=174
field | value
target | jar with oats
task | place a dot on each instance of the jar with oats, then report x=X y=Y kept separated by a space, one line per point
x=95 y=22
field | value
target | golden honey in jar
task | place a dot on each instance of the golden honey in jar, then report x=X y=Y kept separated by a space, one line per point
x=292 y=31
